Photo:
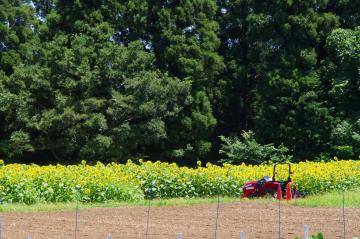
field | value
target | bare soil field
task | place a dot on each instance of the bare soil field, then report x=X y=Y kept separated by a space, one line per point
x=258 y=220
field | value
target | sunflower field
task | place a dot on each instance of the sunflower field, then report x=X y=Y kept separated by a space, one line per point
x=137 y=181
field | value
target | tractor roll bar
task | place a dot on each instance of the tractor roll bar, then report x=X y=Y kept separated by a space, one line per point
x=274 y=172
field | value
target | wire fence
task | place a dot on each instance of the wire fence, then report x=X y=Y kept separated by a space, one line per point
x=220 y=220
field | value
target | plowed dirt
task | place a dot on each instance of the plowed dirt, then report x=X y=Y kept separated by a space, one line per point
x=257 y=220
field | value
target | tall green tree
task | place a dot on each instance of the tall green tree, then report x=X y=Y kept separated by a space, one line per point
x=88 y=97
x=271 y=56
x=128 y=18
x=183 y=37
x=340 y=71
x=185 y=42
x=163 y=79
x=341 y=78
x=18 y=32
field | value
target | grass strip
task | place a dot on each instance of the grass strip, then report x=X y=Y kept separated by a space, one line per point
x=331 y=200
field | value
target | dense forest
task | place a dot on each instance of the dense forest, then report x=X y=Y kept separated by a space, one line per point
x=178 y=80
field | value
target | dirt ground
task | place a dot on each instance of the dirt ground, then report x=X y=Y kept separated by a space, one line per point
x=257 y=220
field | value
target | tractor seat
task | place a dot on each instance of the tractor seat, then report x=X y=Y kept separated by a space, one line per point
x=267 y=179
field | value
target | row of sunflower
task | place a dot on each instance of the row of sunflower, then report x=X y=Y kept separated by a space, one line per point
x=136 y=181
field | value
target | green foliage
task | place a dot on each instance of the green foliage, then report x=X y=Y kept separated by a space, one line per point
x=19 y=143
x=185 y=40
x=343 y=151
x=249 y=151
x=89 y=98
x=341 y=75
x=346 y=140
x=330 y=199
x=136 y=181
x=340 y=71
x=18 y=32
x=273 y=85
x=61 y=190
x=111 y=80
x=318 y=236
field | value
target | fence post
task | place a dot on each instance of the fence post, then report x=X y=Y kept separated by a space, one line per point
x=279 y=219
x=343 y=212
x=217 y=213
x=180 y=236
x=306 y=232
x=242 y=235
x=76 y=217
x=148 y=219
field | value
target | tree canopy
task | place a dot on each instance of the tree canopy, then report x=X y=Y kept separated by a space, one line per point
x=170 y=80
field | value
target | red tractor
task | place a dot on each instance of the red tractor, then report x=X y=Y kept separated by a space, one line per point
x=269 y=186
